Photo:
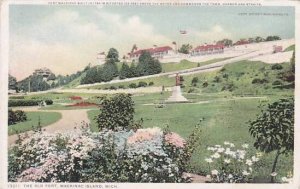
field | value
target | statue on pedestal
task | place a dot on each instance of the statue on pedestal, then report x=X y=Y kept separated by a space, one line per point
x=176 y=92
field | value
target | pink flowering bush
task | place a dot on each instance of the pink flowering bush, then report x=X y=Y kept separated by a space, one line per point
x=144 y=155
x=174 y=139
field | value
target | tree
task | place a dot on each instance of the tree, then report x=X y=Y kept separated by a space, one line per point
x=226 y=42
x=195 y=81
x=125 y=71
x=273 y=38
x=133 y=70
x=109 y=71
x=12 y=82
x=148 y=65
x=91 y=76
x=293 y=63
x=251 y=40
x=259 y=39
x=51 y=77
x=273 y=129
x=289 y=75
x=112 y=56
x=185 y=48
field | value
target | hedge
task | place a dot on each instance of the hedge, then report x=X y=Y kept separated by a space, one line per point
x=13 y=103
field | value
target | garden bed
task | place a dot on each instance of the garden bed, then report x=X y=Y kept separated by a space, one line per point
x=83 y=104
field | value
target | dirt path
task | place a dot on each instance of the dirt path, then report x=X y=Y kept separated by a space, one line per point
x=69 y=120
x=217 y=100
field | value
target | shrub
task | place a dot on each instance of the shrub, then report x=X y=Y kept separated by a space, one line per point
x=205 y=84
x=112 y=88
x=259 y=81
x=142 y=84
x=13 y=103
x=194 y=81
x=230 y=165
x=150 y=83
x=16 y=116
x=49 y=102
x=217 y=79
x=191 y=90
x=228 y=86
x=132 y=85
x=225 y=75
x=276 y=67
x=277 y=82
x=16 y=97
x=147 y=155
x=116 y=112
x=121 y=87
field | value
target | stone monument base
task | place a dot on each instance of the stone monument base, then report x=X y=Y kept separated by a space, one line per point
x=176 y=95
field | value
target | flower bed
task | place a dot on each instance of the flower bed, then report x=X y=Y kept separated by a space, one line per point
x=75 y=98
x=83 y=104
x=147 y=155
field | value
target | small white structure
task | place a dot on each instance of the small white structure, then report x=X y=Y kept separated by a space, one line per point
x=101 y=57
x=45 y=72
x=176 y=95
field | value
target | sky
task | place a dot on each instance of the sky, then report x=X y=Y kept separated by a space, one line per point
x=65 y=39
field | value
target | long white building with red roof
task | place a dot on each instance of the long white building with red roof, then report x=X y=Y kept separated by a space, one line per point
x=156 y=52
x=207 y=50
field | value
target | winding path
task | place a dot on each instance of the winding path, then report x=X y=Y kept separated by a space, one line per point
x=69 y=120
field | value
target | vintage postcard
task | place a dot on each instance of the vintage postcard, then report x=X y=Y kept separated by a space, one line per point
x=124 y=94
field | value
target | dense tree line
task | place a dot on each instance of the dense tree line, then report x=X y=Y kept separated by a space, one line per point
x=39 y=83
x=147 y=65
x=12 y=82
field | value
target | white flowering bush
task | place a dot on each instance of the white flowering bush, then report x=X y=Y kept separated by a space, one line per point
x=145 y=155
x=229 y=164
x=288 y=178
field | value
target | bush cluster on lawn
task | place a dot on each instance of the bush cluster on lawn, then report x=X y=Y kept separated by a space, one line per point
x=16 y=116
x=132 y=85
x=116 y=112
x=13 y=103
x=147 y=155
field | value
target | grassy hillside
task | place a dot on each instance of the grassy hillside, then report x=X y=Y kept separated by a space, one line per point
x=163 y=80
x=241 y=78
x=290 y=48
x=185 y=64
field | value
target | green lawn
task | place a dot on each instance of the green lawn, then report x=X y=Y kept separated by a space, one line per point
x=223 y=120
x=92 y=114
x=46 y=118
x=185 y=64
x=290 y=48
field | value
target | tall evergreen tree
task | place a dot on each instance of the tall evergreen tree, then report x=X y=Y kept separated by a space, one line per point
x=133 y=71
x=125 y=71
x=148 y=65
x=112 y=56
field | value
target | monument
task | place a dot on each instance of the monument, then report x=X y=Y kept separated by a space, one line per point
x=176 y=92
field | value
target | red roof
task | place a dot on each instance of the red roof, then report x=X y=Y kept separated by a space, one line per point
x=151 y=50
x=208 y=47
